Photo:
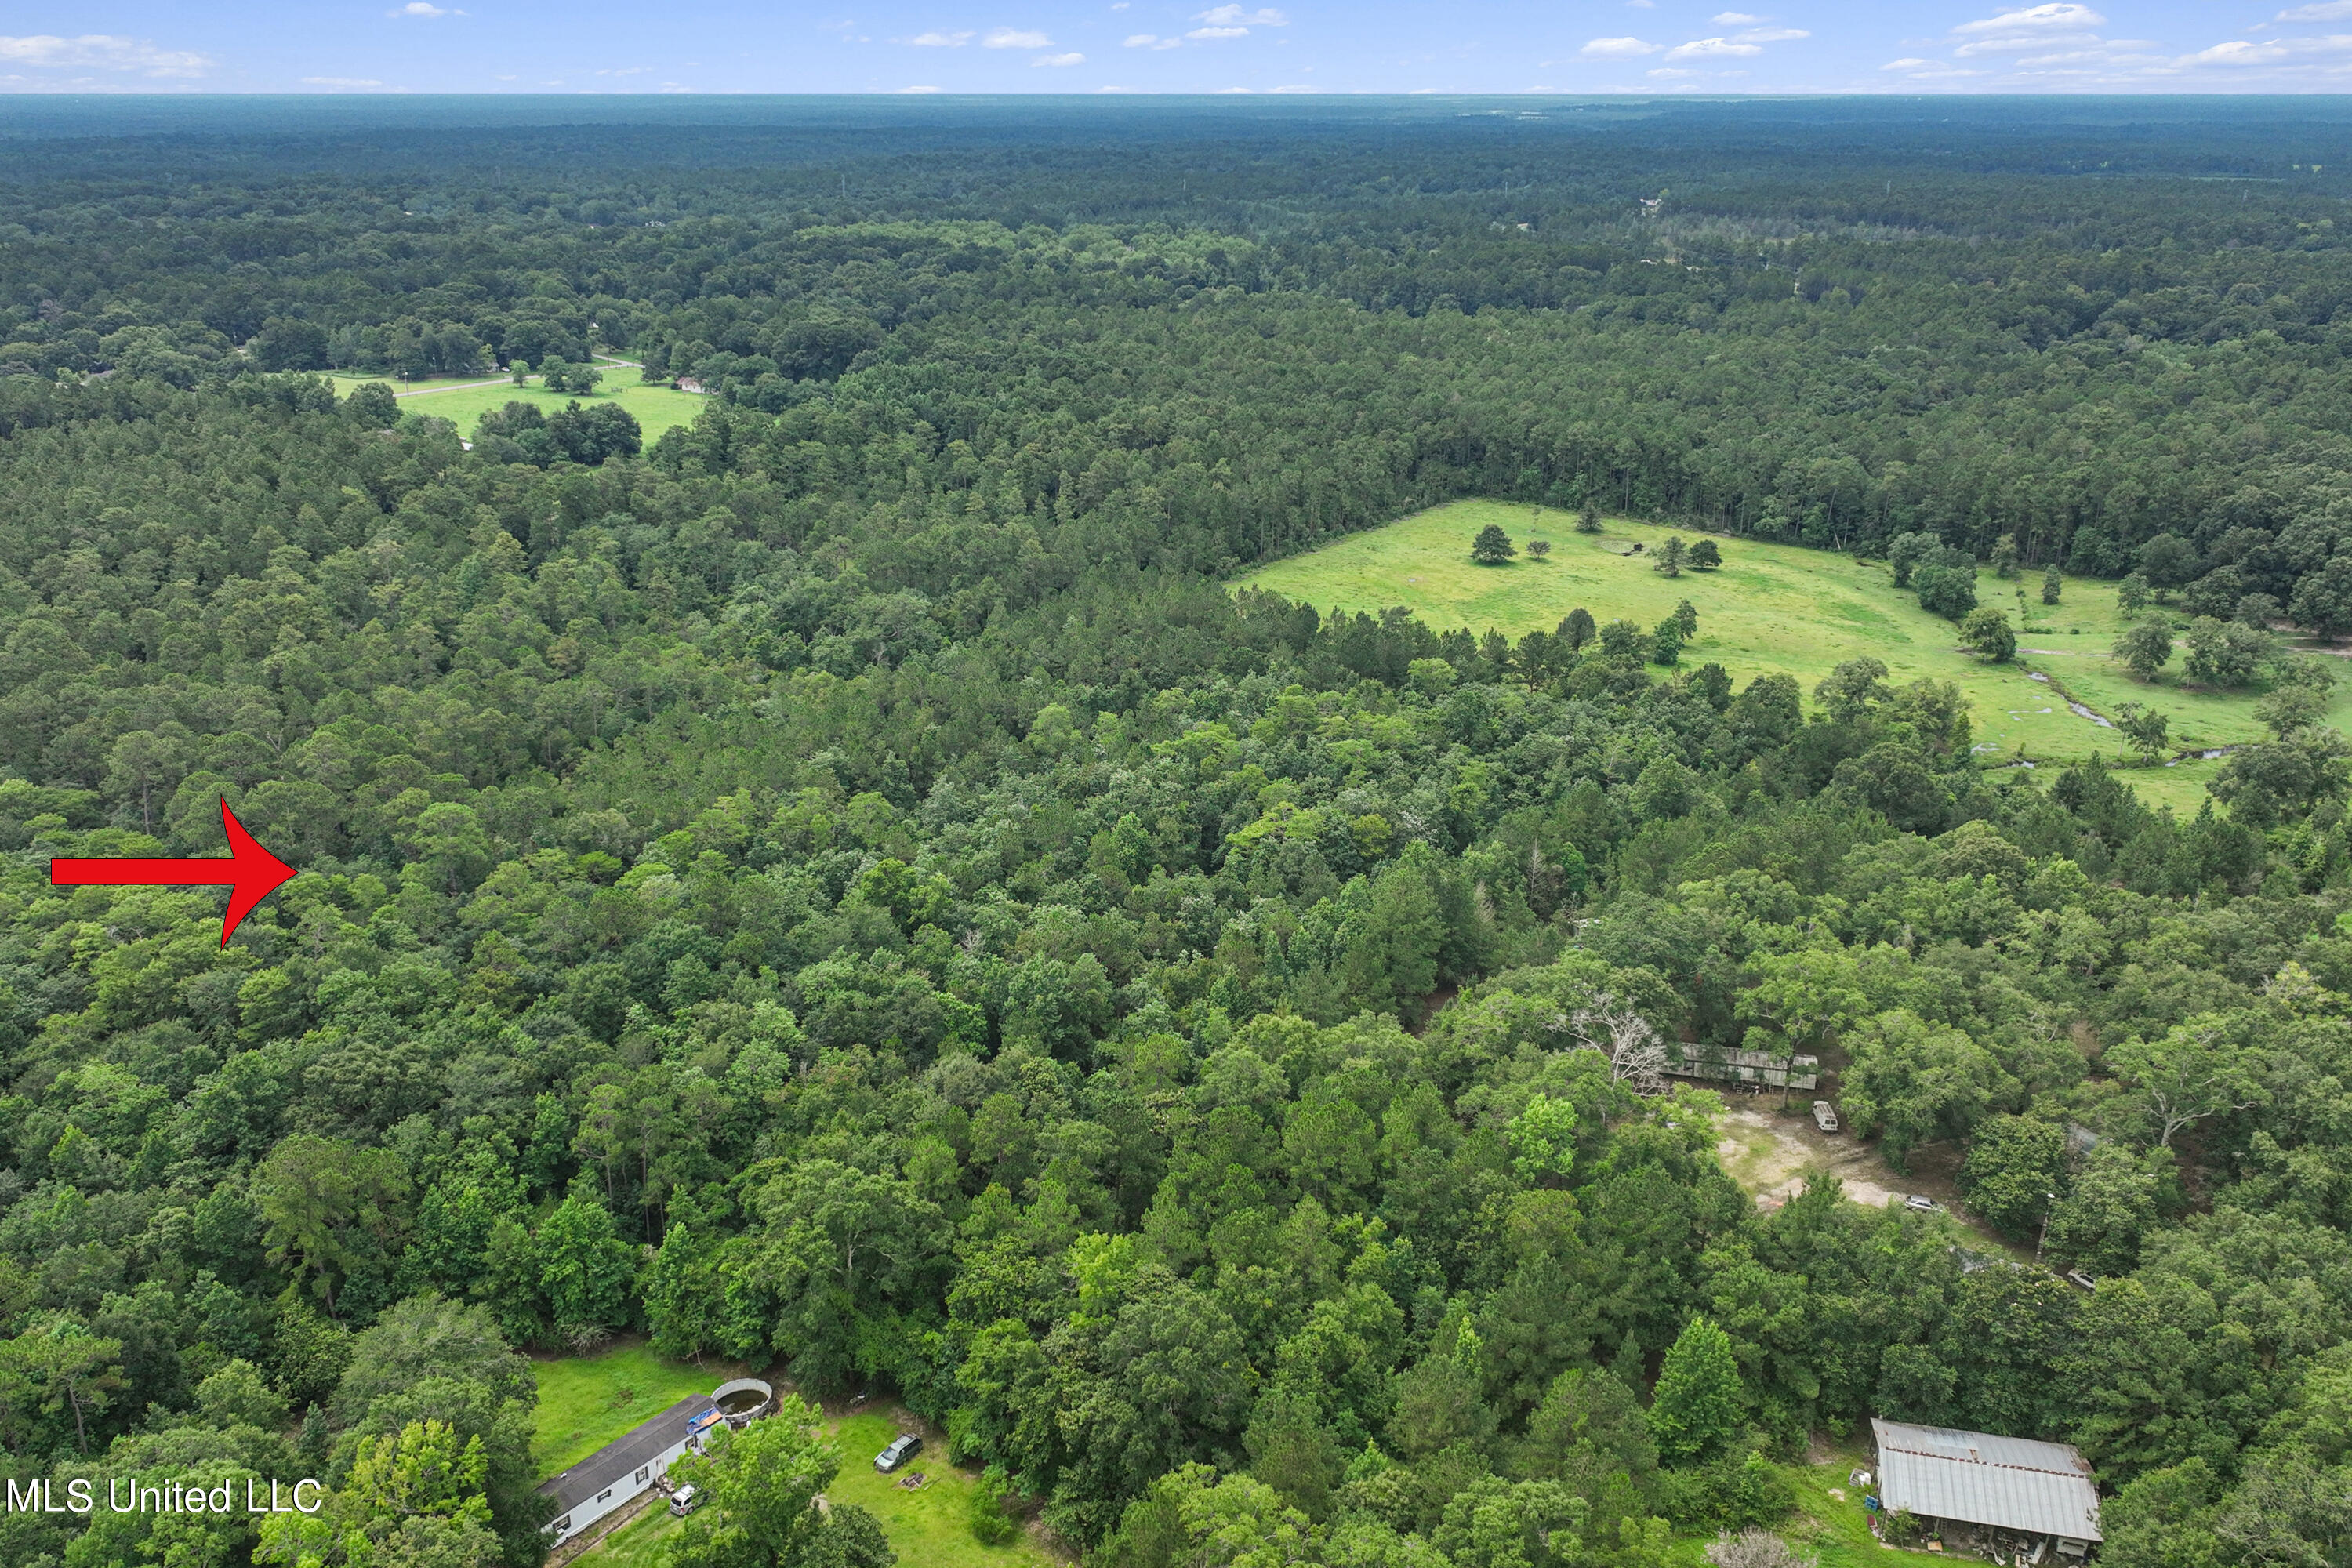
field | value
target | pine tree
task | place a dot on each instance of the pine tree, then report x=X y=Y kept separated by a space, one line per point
x=1698 y=1414
x=2051 y=582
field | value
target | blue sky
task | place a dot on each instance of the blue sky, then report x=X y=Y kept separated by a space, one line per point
x=1174 y=46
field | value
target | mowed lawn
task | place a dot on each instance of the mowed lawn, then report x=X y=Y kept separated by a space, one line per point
x=585 y=1402
x=928 y=1526
x=463 y=403
x=1775 y=608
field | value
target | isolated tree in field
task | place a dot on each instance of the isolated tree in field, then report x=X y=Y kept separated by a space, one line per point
x=1686 y=619
x=1946 y=584
x=2143 y=728
x=1697 y=1411
x=1492 y=547
x=1705 y=556
x=520 y=369
x=2225 y=653
x=2132 y=595
x=555 y=373
x=1987 y=632
x=1538 y=548
x=2050 y=583
x=2004 y=556
x=2146 y=648
x=1586 y=522
x=1671 y=556
x=1577 y=629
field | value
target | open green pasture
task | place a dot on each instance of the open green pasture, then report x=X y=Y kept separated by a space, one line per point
x=585 y=1402
x=464 y=402
x=1777 y=607
x=928 y=1526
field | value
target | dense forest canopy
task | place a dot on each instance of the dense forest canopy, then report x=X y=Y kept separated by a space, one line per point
x=842 y=885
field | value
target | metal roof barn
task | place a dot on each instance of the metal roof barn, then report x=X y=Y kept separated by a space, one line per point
x=1976 y=1478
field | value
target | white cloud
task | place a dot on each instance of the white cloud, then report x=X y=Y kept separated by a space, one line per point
x=1232 y=16
x=1670 y=73
x=1072 y=58
x=1769 y=35
x=918 y=89
x=1617 y=49
x=1909 y=63
x=421 y=9
x=1297 y=86
x=936 y=40
x=103 y=51
x=340 y=81
x=1114 y=88
x=2060 y=16
x=2060 y=24
x=1015 y=38
x=2327 y=11
x=1731 y=19
x=1152 y=41
x=1218 y=33
x=1709 y=48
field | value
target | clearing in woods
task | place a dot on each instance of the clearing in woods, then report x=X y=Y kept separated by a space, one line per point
x=929 y=1524
x=463 y=401
x=1788 y=608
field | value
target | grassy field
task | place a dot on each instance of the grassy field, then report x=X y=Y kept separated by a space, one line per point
x=464 y=402
x=585 y=1402
x=927 y=1526
x=1782 y=607
x=1831 y=1523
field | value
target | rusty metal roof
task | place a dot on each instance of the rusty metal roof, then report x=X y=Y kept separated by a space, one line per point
x=1977 y=1478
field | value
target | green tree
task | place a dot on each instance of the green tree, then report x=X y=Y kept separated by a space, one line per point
x=1987 y=632
x=1666 y=642
x=2013 y=1170
x=1671 y=557
x=2225 y=653
x=2052 y=584
x=585 y=1268
x=1586 y=521
x=1706 y=556
x=763 y=1483
x=328 y=1207
x=1538 y=548
x=1492 y=547
x=1577 y=628
x=2146 y=648
x=1911 y=1081
x=2004 y=556
x=1700 y=1409
x=2132 y=595
x=518 y=370
x=2197 y=1070
x=2146 y=729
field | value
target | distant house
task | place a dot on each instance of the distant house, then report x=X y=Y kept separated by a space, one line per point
x=688 y=384
x=2039 y=1490
x=628 y=1466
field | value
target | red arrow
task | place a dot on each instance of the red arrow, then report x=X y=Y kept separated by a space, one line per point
x=252 y=872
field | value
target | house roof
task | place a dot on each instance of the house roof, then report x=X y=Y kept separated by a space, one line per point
x=621 y=1459
x=1976 y=1478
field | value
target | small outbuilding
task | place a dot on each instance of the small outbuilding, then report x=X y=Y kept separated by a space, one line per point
x=1989 y=1486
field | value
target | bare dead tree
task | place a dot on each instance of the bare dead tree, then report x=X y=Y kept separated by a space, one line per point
x=1754 y=1548
x=1636 y=1051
